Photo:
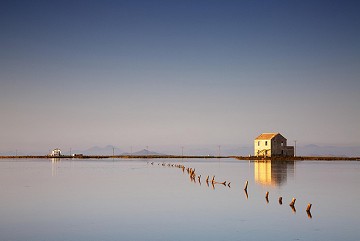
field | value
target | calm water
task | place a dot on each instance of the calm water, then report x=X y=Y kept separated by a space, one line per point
x=134 y=200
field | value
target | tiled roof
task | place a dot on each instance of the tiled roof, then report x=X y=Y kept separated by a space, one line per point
x=266 y=136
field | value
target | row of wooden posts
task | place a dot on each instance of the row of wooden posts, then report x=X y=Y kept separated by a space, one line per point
x=291 y=204
x=193 y=176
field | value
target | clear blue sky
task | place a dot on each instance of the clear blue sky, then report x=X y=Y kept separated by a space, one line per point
x=83 y=73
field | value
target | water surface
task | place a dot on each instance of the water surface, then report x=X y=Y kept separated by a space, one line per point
x=135 y=200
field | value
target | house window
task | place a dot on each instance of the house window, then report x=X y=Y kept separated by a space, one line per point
x=265 y=143
x=282 y=143
x=258 y=143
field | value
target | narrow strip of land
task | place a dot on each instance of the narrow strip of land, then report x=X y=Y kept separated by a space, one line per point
x=297 y=158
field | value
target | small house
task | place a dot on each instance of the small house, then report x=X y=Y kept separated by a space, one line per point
x=56 y=152
x=272 y=144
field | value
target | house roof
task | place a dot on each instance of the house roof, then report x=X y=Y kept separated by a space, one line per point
x=266 y=136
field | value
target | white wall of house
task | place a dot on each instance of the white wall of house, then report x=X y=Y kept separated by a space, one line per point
x=56 y=152
x=262 y=148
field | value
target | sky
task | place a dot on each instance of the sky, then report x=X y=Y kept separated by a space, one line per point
x=174 y=73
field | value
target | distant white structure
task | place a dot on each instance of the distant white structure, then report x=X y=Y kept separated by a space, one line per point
x=272 y=144
x=56 y=152
x=77 y=155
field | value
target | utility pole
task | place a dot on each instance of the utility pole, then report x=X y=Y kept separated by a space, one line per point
x=182 y=151
x=113 y=151
x=70 y=151
x=131 y=150
x=219 y=150
x=295 y=148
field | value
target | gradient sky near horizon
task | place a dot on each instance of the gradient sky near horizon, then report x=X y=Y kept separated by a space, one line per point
x=83 y=73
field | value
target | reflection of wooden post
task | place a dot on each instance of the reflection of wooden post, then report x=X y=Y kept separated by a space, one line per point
x=246 y=194
x=309 y=214
x=280 y=200
x=246 y=185
x=293 y=208
x=292 y=204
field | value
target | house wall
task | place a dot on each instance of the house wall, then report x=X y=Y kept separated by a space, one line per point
x=289 y=151
x=56 y=152
x=278 y=143
x=262 y=148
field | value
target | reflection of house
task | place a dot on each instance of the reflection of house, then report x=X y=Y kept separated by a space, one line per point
x=56 y=152
x=272 y=144
x=273 y=173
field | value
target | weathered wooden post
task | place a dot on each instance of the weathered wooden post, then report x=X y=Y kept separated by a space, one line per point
x=280 y=200
x=292 y=204
x=246 y=185
x=308 y=207
x=267 y=197
x=308 y=210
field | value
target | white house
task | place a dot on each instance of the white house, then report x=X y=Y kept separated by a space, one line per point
x=56 y=152
x=272 y=144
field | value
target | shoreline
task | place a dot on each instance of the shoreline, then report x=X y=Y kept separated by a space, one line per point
x=253 y=158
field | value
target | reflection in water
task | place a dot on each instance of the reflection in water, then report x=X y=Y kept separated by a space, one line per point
x=273 y=173
x=54 y=162
x=309 y=214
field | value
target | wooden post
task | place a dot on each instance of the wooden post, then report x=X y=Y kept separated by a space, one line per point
x=280 y=200
x=308 y=207
x=308 y=210
x=292 y=204
x=246 y=185
x=267 y=197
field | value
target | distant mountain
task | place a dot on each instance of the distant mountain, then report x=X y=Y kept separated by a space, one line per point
x=315 y=150
x=143 y=152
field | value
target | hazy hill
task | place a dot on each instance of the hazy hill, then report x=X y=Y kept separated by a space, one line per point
x=143 y=152
x=315 y=150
